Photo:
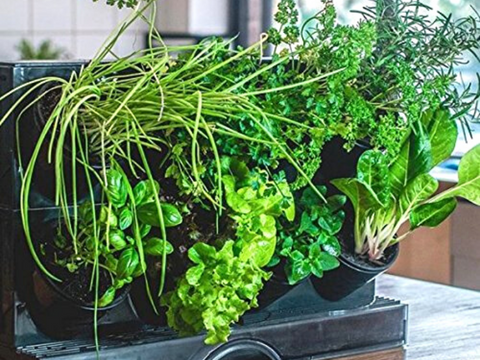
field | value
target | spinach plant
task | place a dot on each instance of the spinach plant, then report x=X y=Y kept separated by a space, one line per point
x=386 y=194
x=309 y=244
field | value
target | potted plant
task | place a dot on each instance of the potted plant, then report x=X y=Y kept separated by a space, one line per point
x=207 y=161
x=385 y=195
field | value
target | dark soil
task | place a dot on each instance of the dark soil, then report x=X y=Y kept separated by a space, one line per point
x=77 y=285
x=47 y=103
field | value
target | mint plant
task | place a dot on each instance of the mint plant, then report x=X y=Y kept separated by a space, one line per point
x=309 y=244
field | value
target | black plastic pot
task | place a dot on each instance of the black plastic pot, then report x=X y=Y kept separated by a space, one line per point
x=142 y=303
x=275 y=288
x=351 y=275
x=60 y=315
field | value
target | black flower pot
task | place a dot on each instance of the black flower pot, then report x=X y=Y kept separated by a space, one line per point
x=275 y=288
x=60 y=315
x=352 y=274
x=142 y=303
x=338 y=162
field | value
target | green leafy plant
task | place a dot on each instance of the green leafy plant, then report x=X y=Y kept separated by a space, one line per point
x=226 y=283
x=120 y=236
x=45 y=51
x=387 y=194
x=214 y=293
x=309 y=245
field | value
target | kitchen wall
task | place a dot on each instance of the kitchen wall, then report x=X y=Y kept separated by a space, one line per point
x=77 y=26
x=81 y=26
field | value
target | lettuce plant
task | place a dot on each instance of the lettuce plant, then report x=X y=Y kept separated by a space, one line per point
x=214 y=293
x=386 y=194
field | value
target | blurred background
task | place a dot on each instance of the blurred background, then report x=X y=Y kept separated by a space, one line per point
x=75 y=29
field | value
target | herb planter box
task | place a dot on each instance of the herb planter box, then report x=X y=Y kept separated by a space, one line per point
x=13 y=75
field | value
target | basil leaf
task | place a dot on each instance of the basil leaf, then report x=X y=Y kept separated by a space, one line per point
x=156 y=246
x=116 y=188
x=297 y=271
x=107 y=297
x=328 y=261
x=148 y=214
x=127 y=263
x=140 y=192
x=117 y=239
x=433 y=214
x=125 y=218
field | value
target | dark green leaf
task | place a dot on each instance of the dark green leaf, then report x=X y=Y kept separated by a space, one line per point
x=148 y=214
x=127 y=263
x=433 y=214
x=328 y=262
x=156 y=247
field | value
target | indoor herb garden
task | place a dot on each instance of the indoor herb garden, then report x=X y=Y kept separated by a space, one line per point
x=203 y=171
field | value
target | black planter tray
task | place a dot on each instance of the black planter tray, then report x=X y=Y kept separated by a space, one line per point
x=302 y=334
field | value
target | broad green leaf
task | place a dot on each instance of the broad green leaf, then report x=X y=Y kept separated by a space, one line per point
x=372 y=170
x=127 y=263
x=361 y=197
x=107 y=297
x=125 y=218
x=419 y=189
x=148 y=214
x=194 y=274
x=420 y=154
x=117 y=239
x=201 y=253
x=156 y=246
x=443 y=133
x=328 y=261
x=433 y=214
x=414 y=159
x=116 y=188
x=468 y=185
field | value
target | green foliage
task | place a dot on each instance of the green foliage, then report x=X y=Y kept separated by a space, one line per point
x=122 y=3
x=309 y=244
x=119 y=236
x=256 y=202
x=214 y=293
x=384 y=196
x=45 y=51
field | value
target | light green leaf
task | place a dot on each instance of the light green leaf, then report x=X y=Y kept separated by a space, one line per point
x=443 y=133
x=419 y=189
x=372 y=170
x=468 y=185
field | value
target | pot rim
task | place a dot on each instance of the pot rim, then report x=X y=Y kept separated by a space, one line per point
x=80 y=304
x=347 y=261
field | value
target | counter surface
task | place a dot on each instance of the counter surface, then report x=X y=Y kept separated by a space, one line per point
x=444 y=322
